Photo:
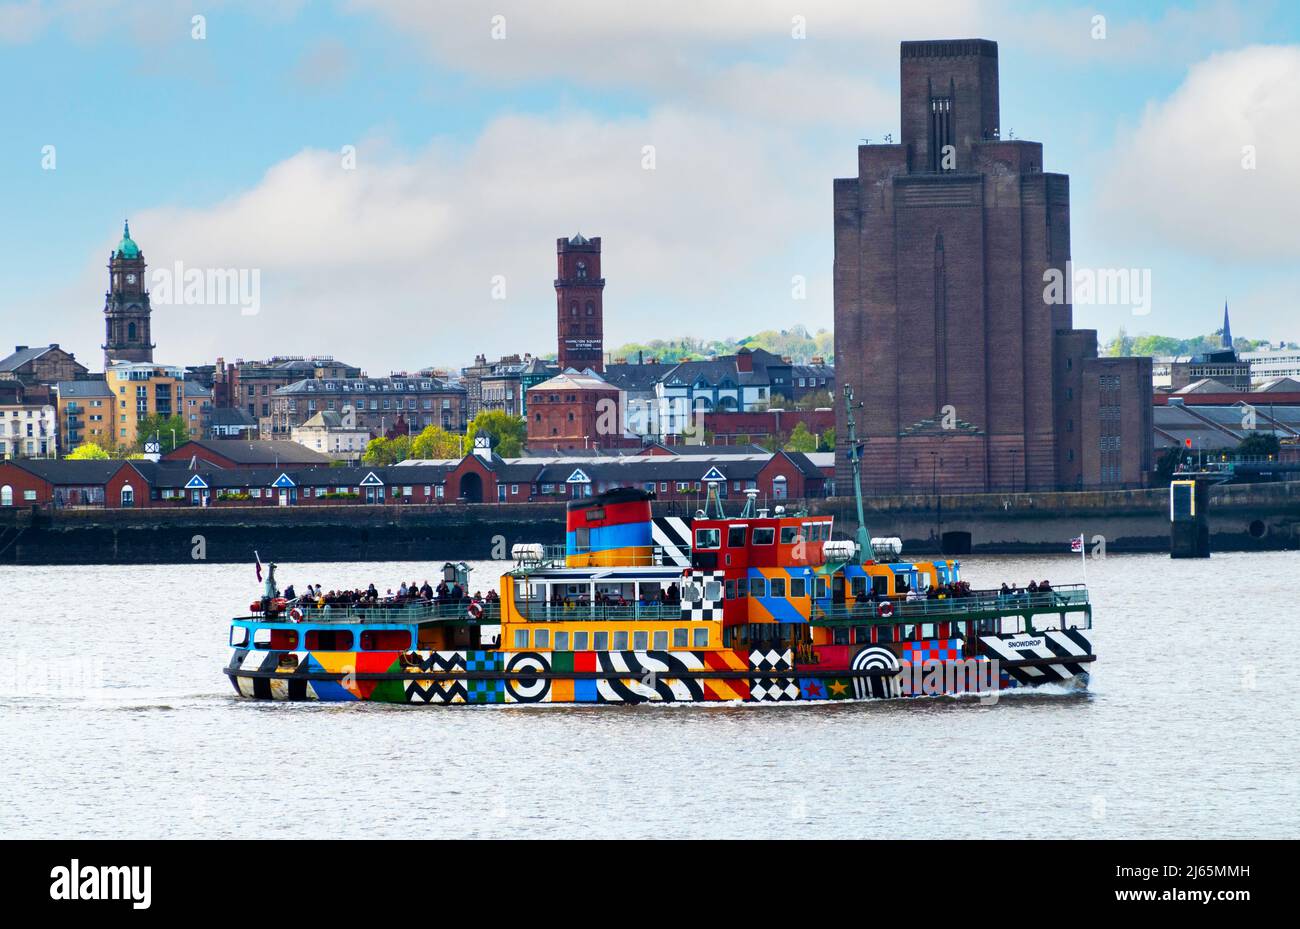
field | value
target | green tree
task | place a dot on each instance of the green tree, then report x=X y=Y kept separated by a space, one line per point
x=88 y=451
x=436 y=442
x=801 y=440
x=170 y=430
x=1259 y=445
x=508 y=432
x=384 y=451
x=827 y=440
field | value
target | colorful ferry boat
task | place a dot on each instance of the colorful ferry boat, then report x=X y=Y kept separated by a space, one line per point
x=766 y=606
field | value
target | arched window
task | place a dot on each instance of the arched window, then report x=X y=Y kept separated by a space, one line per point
x=6 y=495
x=591 y=308
x=573 y=308
x=128 y=495
x=582 y=270
x=130 y=332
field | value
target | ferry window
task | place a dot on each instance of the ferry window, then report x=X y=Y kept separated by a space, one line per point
x=708 y=538
x=757 y=587
x=679 y=638
x=561 y=640
x=731 y=590
x=880 y=583
x=640 y=641
x=821 y=588
x=858 y=586
x=862 y=635
x=778 y=587
x=329 y=640
x=580 y=641
x=385 y=640
x=690 y=593
x=922 y=581
x=841 y=636
x=701 y=637
x=542 y=638
x=798 y=587
x=620 y=641
x=713 y=591
x=764 y=536
x=521 y=638
x=238 y=636
x=601 y=640
x=736 y=536
x=789 y=534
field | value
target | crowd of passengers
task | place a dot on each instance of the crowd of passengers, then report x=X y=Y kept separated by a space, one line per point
x=669 y=595
x=405 y=595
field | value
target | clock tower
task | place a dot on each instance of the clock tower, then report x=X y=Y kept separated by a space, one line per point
x=578 y=292
x=126 y=305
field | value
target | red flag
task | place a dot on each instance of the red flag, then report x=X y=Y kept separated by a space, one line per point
x=258 y=566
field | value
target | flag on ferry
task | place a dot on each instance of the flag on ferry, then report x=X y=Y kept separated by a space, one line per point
x=1076 y=545
x=257 y=559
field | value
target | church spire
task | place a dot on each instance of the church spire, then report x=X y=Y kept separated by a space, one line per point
x=1227 y=327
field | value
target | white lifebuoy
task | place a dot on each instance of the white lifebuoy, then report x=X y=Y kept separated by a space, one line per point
x=886 y=609
x=295 y=615
x=474 y=610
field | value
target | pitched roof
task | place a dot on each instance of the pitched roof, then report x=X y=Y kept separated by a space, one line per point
x=64 y=471
x=635 y=376
x=72 y=389
x=259 y=451
x=23 y=355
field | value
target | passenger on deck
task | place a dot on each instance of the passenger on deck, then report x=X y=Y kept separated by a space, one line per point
x=1005 y=591
x=1033 y=587
x=426 y=591
x=1044 y=587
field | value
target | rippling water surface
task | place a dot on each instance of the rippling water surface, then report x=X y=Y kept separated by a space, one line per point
x=117 y=721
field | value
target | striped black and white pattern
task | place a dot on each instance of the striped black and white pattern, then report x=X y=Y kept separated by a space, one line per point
x=650 y=677
x=1054 y=643
x=883 y=686
x=673 y=535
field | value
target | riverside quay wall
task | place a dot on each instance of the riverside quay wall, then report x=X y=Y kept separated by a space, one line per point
x=1246 y=517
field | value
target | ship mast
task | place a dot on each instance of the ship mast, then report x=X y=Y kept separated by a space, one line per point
x=865 y=552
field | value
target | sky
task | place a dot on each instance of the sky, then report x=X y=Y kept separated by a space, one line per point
x=392 y=174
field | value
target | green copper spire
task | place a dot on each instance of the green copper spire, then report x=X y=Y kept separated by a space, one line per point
x=127 y=247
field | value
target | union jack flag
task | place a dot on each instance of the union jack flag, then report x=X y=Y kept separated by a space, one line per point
x=1076 y=544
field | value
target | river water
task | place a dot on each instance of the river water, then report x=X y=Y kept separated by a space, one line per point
x=116 y=721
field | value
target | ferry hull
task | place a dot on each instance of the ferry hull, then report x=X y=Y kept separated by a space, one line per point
x=907 y=669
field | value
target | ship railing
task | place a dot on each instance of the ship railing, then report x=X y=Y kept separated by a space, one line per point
x=978 y=604
x=415 y=611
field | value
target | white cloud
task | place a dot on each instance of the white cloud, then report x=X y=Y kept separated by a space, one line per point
x=391 y=264
x=1178 y=178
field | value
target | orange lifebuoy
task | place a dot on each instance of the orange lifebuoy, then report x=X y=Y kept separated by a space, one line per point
x=886 y=609
x=474 y=610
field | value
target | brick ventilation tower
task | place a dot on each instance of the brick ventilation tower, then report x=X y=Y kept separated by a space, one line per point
x=579 y=290
x=126 y=305
x=970 y=381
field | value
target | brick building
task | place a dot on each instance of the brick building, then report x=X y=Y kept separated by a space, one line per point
x=576 y=411
x=969 y=379
x=44 y=365
x=579 y=295
x=251 y=385
x=127 y=334
x=375 y=403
